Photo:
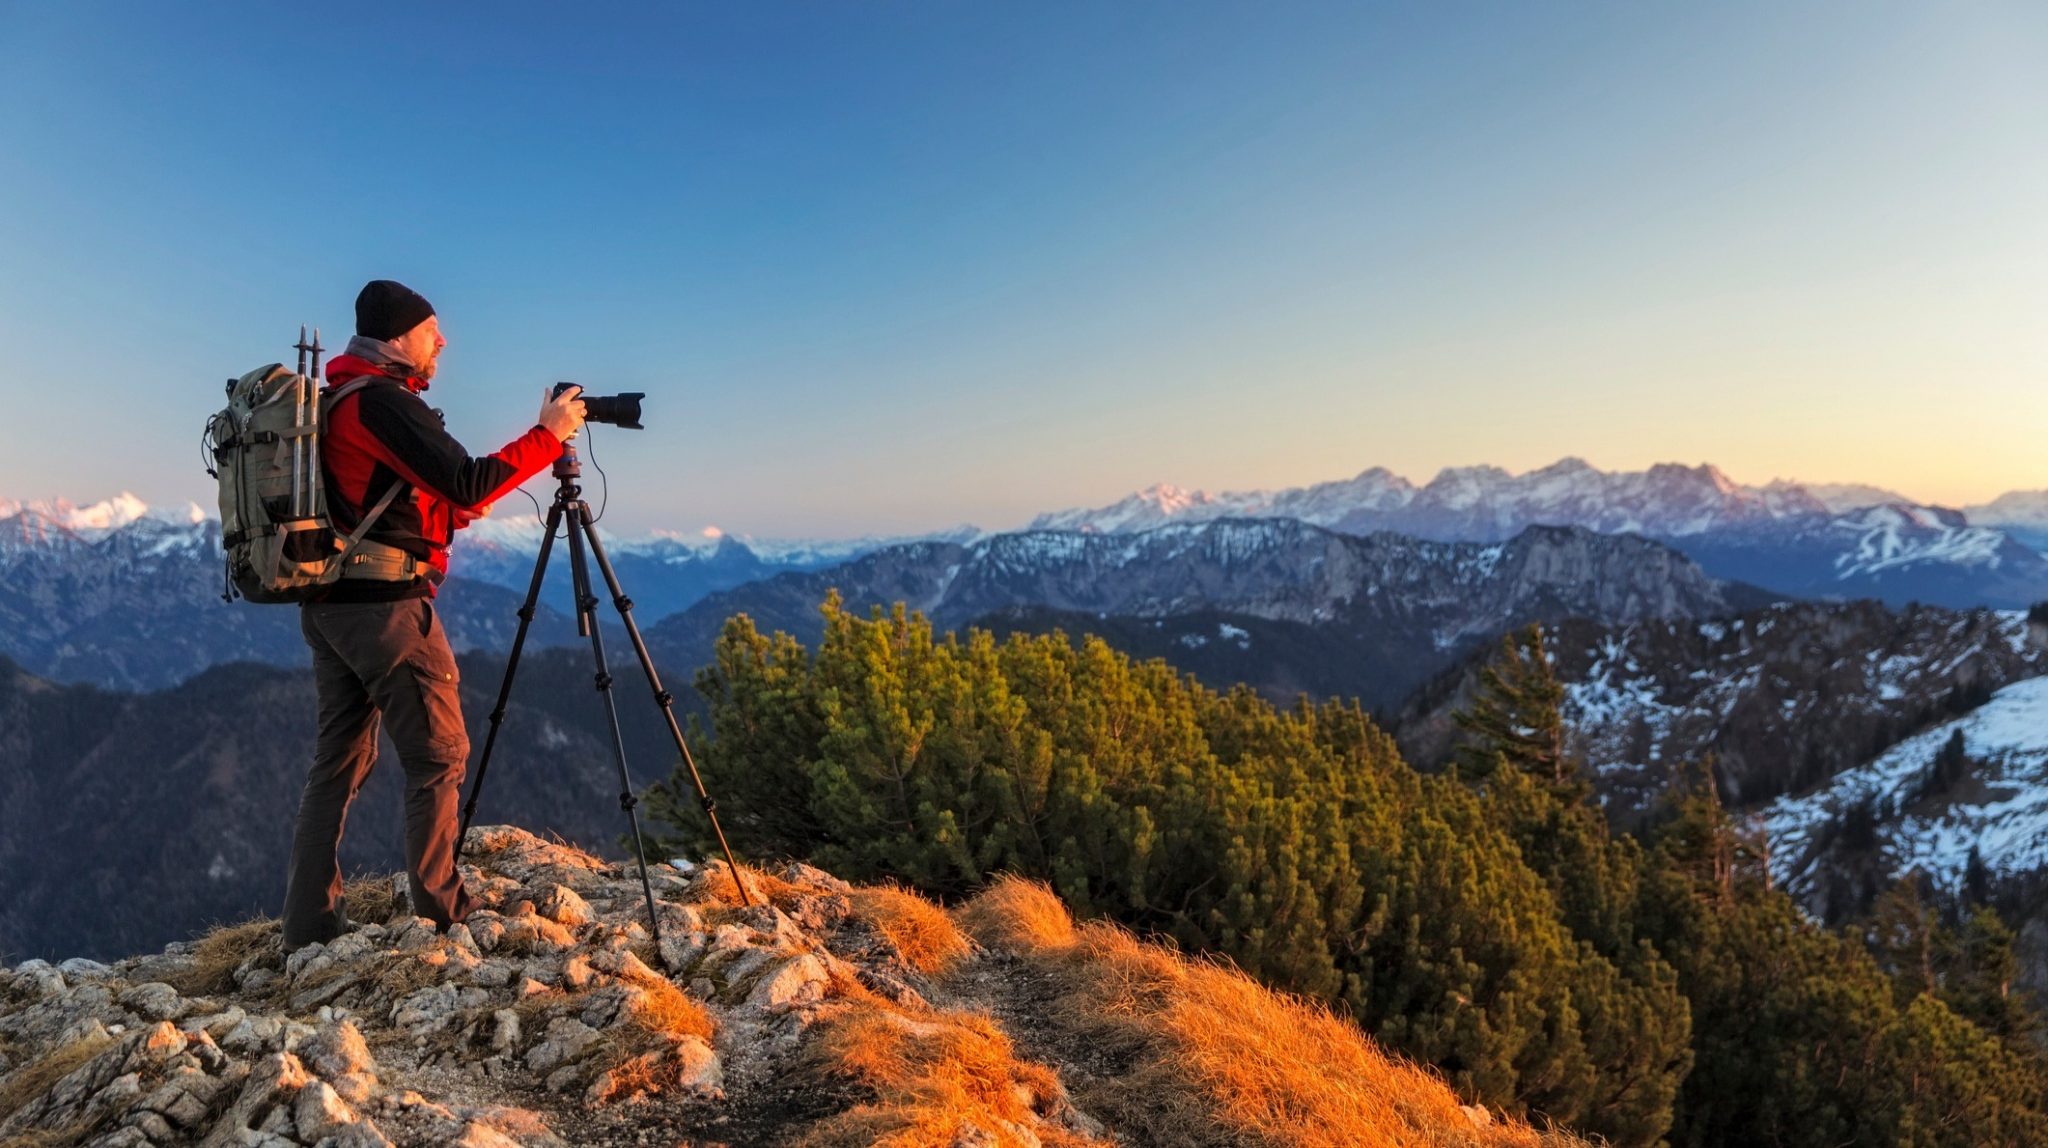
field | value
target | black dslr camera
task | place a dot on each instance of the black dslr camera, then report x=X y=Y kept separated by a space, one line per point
x=618 y=410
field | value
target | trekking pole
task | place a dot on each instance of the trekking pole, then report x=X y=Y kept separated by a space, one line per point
x=314 y=479
x=298 y=501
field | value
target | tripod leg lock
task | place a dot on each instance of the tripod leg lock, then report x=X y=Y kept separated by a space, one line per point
x=623 y=604
x=628 y=802
x=710 y=806
x=525 y=613
x=604 y=682
x=664 y=699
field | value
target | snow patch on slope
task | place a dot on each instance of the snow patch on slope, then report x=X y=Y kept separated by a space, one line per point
x=1888 y=537
x=2003 y=811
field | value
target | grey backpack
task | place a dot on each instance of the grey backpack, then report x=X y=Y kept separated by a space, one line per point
x=264 y=449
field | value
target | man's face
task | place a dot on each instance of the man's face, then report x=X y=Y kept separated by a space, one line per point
x=422 y=345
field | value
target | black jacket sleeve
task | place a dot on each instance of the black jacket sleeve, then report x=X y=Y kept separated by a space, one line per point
x=423 y=452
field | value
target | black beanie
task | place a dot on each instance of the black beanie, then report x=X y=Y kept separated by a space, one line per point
x=387 y=309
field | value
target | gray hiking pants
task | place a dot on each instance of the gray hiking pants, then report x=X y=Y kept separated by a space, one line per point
x=370 y=659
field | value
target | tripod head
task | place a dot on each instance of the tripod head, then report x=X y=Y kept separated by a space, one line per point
x=568 y=468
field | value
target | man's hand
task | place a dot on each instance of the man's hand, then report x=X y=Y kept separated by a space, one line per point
x=465 y=517
x=562 y=417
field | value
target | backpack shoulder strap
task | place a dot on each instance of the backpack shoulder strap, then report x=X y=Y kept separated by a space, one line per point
x=348 y=388
x=362 y=529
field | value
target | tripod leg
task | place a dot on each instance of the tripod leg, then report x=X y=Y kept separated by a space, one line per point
x=586 y=606
x=662 y=697
x=526 y=610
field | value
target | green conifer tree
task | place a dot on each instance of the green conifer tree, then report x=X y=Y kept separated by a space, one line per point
x=1516 y=713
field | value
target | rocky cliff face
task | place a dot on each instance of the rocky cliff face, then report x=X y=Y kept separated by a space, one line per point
x=818 y=1014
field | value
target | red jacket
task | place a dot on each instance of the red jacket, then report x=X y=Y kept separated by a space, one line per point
x=384 y=433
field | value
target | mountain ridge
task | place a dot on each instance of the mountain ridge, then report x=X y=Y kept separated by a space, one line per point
x=1832 y=540
x=1406 y=602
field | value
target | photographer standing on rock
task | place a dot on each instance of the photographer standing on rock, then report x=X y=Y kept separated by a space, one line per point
x=378 y=646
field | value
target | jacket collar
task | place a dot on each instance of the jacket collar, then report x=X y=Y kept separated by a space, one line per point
x=367 y=356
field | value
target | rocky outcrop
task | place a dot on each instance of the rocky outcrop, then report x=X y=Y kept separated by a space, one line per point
x=552 y=1016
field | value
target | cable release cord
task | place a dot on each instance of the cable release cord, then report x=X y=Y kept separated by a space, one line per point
x=604 y=496
x=604 y=486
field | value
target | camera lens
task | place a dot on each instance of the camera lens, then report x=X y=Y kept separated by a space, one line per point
x=617 y=410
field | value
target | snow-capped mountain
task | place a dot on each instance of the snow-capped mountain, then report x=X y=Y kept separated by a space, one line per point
x=1388 y=610
x=2023 y=514
x=1324 y=504
x=1477 y=503
x=96 y=520
x=1810 y=540
x=520 y=534
x=1843 y=497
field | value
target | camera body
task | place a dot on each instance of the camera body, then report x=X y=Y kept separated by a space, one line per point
x=622 y=410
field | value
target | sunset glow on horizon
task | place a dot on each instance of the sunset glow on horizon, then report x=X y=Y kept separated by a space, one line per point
x=891 y=269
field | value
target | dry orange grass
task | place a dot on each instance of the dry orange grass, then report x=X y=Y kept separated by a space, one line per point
x=663 y=1011
x=635 y=1054
x=921 y=932
x=1217 y=1058
x=719 y=884
x=1020 y=916
x=936 y=1078
x=642 y=1075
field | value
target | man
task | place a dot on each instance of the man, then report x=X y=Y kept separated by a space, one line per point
x=378 y=647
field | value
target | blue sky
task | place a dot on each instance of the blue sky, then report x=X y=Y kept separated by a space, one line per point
x=891 y=267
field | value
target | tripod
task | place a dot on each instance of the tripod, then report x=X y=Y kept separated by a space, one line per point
x=570 y=507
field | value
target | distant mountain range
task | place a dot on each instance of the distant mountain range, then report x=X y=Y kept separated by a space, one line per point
x=1824 y=540
x=214 y=762
x=1276 y=602
x=663 y=571
x=137 y=604
x=118 y=594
